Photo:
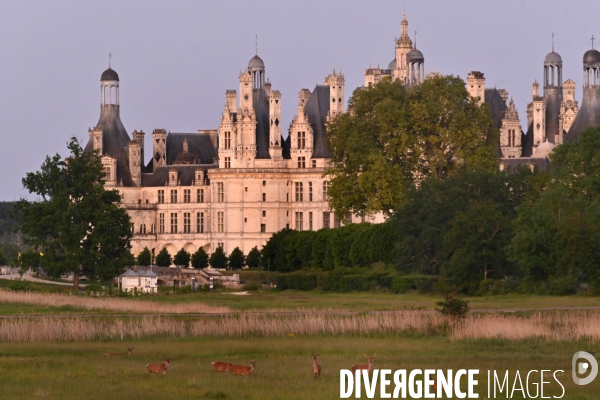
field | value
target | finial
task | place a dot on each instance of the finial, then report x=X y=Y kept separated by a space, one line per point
x=110 y=56
x=415 y=39
x=256 y=45
x=553 y=42
x=593 y=38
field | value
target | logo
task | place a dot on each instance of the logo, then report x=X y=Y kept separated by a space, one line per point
x=581 y=368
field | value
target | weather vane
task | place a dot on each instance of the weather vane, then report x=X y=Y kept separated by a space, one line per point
x=109 y=57
x=593 y=38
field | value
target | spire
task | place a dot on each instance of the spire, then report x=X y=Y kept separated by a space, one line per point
x=592 y=39
x=415 y=39
x=110 y=56
x=256 y=45
x=553 y=42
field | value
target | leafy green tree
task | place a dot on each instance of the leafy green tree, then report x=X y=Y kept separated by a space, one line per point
x=11 y=251
x=182 y=258
x=3 y=258
x=200 y=259
x=253 y=258
x=145 y=257
x=77 y=223
x=237 y=260
x=392 y=138
x=164 y=259
x=321 y=256
x=218 y=259
x=272 y=252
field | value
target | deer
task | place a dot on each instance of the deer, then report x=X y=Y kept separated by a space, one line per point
x=125 y=353
x=158 y=368
x=221 y=366
x=316 y=367
x=243 y=370
x=368 y=367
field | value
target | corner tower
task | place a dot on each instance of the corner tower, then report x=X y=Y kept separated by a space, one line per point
x=589 y=113
x=553 y=95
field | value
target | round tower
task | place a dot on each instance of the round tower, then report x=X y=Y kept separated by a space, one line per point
x=109 y=87
x=553 y=95
x=256 y=67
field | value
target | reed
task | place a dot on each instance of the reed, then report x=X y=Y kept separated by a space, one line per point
x=107 y=303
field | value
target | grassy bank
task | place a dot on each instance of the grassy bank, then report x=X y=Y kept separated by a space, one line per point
x=284 y=368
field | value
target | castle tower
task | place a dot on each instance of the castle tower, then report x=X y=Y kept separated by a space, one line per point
x=476 y=86
x=159 y=148
x=274 y=99
x=510 y=133
x=246 y=82
x=336 y=81
x=228 y=132
x=403 y=46
x=589 y=113
x=553 y=95
x=568 y=108
x=301 y=133
x=415 y=65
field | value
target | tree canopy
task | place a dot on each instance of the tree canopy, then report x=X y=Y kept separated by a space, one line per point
x=182 y=258
x=393 y=137
x=218 y=259
x=200 y=259
x=163 y=258
x=237 y=260
x=77 y=224
x=145 y=257
x=253 y=258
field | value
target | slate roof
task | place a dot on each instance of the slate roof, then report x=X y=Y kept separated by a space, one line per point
x=553 y=97
x=317 y=109
x=109 y=75
x=527 y=142
x=198 y=144
x=115 y=141
x=496 y=104
x=261 y=108
x=588 y=115
x=186 y=174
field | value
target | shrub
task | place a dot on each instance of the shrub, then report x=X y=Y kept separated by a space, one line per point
x=253 y=258
x=163 y=259
x=419 y=283
x=563 y=286
x=19 y=285
x=200 y=259
x=300 y=280
x=251 y=286
x=453 y=307
x=182 y=258
x=218 y=259
x=144 y=258
x=237 y=260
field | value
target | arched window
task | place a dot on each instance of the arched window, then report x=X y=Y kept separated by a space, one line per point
x=143 y=229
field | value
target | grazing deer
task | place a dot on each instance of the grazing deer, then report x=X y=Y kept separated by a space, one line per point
x=221 y=366
x=158 y=368
x=243 y=370
x=125 y=353
x=368 y=367
x=316 y=367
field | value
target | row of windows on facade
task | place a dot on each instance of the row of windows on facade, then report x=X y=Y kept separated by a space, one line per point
x=201 y=225
x=299 y=192
x=301 y=162
x=300 y=142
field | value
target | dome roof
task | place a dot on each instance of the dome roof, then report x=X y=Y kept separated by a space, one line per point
x=256 y=64
x=415 y=56
x=109 y=75
x=591 y=57
x=185 y=157
x=553 y=57
x=543 y=150
x=393 y=64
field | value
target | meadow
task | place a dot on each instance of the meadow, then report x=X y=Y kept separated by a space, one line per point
x=79 y=370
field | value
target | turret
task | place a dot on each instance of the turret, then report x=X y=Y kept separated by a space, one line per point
x=274 y=100
x=476 y=86
x=159 y=148
x=135 y=161
x=336 y=81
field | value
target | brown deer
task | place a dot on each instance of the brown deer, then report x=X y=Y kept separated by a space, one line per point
x=243 y=370
x=368 y=367
x=221 y=366
x=124 y=353
x=159 y=368
x=316 y=367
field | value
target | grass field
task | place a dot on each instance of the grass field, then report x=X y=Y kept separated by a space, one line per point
x=284 y=367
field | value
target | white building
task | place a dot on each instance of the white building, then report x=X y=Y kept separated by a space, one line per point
x=143 y=281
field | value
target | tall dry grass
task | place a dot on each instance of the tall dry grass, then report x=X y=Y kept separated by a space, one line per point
x=106 y=303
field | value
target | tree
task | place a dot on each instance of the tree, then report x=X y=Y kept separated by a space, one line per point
x=145 y=257
x=77 y=224
x=272 y=252
x=393 y=137
x=218 y=259
x=164 y=259
x=237 y=259
x=253 y=258
x=3 y=259
x=182 y=258
x=200 y=259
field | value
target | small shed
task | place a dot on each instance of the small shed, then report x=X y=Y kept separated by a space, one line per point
x=144 y=281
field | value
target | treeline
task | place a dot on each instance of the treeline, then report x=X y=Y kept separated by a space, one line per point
x=9 y=240
x=483 y=231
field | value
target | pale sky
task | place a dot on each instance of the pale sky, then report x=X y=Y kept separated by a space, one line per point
x=176 y=58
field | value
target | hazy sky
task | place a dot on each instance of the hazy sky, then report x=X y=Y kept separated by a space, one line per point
x=176 y=58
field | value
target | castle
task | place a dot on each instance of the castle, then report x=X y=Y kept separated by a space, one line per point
x=237 y=185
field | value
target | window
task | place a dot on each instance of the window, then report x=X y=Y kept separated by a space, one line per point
x=161 y=196
x=263 y=228
x=264 y=197
x=310 y=198
x=187 y=197
x=299 y=191
x=143 y=229
x=227 y=162
x=161 y=223
x=200 y=195
x=220 y=192
x=220 y=222
x=301 y=140
x=326 y=185
x=200 y=222
x=220 y=245
x=287 y=226
x=173 y=222
x=106 y=173
x=187 y=223
x=173 y=196
x=299 y=221
x=264 y=213
x=264 y=183
x=301 y=162
x=326 y=220
x=153 y=229
x=314 y=163
x=310 y=221
x=287 y=197
x=227 y=141
x=336 y=221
